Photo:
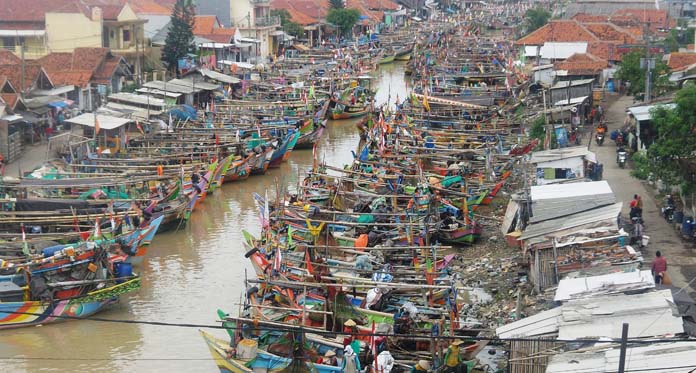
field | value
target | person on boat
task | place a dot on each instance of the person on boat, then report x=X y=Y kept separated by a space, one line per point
x=350 y=328
x=351 y=363
x=385 y=362
x=422 y=366
x=329 y=358
x=453 y=359
x=372 y=298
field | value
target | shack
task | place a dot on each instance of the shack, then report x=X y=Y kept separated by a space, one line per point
x=108 y=133
x=567 y=90
x=640 y=119
x=562 y=165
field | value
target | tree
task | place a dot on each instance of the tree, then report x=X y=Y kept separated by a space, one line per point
x=671 y=154
x=290 y=27
x=336 y=4
x=630 y=71
x=344 y=19
x=180 y=35
x=536 y=17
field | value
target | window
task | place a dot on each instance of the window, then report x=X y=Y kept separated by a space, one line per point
x=126 y=35
x=8 y=42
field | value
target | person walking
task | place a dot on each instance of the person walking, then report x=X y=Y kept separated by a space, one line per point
x=659 y=267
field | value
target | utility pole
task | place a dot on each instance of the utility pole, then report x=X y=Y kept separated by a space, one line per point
x=648 y=64
x=622 y=352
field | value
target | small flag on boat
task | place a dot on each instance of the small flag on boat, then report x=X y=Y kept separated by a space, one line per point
x=278 y=259
x=25 y=245
x=426 y=105
x=97 y=229
x=96 y=124
x=140 y=127
x=266 y=216
x=310 y=267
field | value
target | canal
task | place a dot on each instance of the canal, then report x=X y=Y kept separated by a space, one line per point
x=186 y=277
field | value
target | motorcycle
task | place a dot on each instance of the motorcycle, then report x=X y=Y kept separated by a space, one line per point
x=599 y=138
x=668 y=209
x=637 y=231
x=621 y=156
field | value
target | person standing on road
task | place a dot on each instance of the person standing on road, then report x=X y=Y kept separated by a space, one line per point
x=636 y=207
x=659 y=267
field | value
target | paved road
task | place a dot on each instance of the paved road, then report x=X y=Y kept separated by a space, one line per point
x=679 y=254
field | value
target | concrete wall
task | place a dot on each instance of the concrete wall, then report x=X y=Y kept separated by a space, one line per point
x=239 y=10
x=67 y=31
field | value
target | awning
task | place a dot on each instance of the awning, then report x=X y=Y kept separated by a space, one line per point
x=200 y=85
x=158 y=92
x=251 y=40
x=220 y=77
x=13 y=33
x=61 y=104
x=572 y=101
x=106 y=122
x=55 y=91
x=12 y=118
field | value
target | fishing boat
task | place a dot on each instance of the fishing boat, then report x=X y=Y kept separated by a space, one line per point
x=15 y=312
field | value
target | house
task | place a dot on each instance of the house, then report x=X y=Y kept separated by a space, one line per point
x=561 y=165
x=563 y=92
x=256 y=25
x=640 y=120
x=93 y=72
x=109 y=131
x=40 y=26
x=580 y=66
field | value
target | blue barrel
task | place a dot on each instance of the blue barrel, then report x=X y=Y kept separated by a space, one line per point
x=678 y=217
x=52 y=250
x=622 y=241
x=610 y=86
x=123 y=269
x=687 y=226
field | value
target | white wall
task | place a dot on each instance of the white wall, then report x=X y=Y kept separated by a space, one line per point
x=575 y=164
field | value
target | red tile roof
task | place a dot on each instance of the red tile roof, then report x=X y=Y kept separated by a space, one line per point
x=88 y=58
x=606 y=31
x=54 y=62
x=34 y=11
x=584 y=17
x=558 y=31
x=13 y=72
x=78 y=78
x=107 y=69
x=582 y=64
x=655 y=17
x=679 y=61
x=209 y=27
x=604 y=50
x=8 y=58
x=10 y=99
x=304 y=12
x=150 y=7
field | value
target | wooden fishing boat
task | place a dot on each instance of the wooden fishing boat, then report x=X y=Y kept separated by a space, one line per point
x=22 y=313
x=259 y=360
x=389 y=58
x=348 y=111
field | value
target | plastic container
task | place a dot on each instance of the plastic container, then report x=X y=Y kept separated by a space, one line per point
x=687 y=227
x=123 y=269
x=52 y=250
x=10 y=292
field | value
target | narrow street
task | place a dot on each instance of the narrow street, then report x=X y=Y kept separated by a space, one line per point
x=679 y=253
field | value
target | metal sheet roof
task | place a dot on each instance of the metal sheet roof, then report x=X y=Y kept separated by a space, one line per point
x=552 y=201
x=220 y=77
x=572 y=101
x=560 y=50
x=106 y=122
x=195 y=84
x=572 y=190
x=137 y=99
x=642 y=113
x=649 y=315
x=605 y=284
x=601 y=219
x=562 y=153
x=653 y=358
x=573 y=83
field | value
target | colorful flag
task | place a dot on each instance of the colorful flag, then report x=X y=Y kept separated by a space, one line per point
x=310 y=267
x=96 y=125
x=278 y=259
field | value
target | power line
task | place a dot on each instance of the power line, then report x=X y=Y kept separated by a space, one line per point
x=301 y=329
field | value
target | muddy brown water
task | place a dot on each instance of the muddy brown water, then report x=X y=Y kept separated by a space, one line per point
x=186 y=277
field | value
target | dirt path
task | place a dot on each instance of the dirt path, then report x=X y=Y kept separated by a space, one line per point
x=679 y=254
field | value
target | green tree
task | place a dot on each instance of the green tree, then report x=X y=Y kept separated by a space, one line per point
x=180 y=35
x=290 y=27
x=336 y=4
x=630 y=71
x=535 y=18
x=679 y=37
x=671 y=154
x=344 y=19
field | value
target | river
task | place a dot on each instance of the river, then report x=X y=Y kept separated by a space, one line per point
x=186 y=276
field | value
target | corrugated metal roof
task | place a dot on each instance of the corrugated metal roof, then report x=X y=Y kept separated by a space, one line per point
x=552 y=201
x=605 y=284
x=649 y=358
x=572 y=101
x=106 y=122
x=560 y=50
x=573 y=83
x=642 y=113
x=649 y=315
x=562 y=153
x=606 y=214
